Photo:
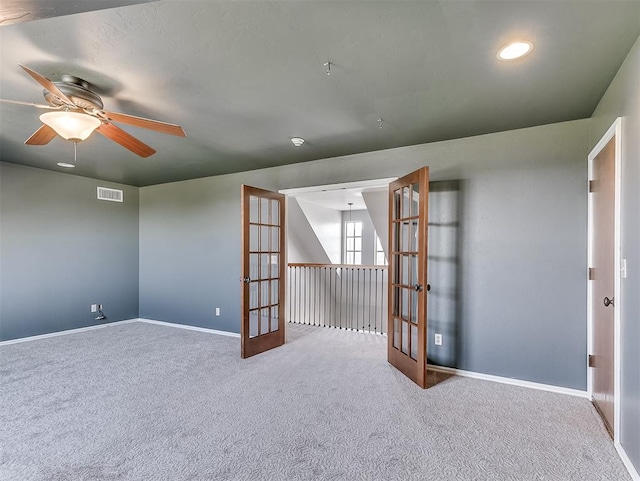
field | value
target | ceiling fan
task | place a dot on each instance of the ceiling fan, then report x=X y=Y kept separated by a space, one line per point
x=77 y=111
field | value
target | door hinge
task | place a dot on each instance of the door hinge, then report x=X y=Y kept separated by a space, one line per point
x=591 y=273
x=592 y=186
x=592 y=360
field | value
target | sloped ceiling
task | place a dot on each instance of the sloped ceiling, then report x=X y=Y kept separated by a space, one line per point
x=242 y=77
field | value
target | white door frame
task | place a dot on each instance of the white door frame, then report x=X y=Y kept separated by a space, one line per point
x=614 y=130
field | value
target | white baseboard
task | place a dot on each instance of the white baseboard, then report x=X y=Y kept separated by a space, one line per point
x=109 y=324
x=635 y=476
x=190 y=328
x=64 y=333
x=513 y=382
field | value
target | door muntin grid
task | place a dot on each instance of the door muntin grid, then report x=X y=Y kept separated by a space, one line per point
x=264 y=265
x=406 y=274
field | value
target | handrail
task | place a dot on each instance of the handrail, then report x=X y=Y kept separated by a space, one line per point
x=353 y=266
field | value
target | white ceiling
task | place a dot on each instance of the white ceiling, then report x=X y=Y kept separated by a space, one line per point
x=242 y=77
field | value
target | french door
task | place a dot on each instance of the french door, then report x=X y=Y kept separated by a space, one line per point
x=408 y=220
x=263 y=259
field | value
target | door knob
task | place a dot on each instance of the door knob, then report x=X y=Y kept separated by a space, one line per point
x=428 y=287
x=418 y=287
x=246 y=280
x=608 y=302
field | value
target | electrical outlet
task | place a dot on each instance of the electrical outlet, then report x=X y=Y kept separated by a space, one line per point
x=94 y=307
x=438 y=339
x=217 y=311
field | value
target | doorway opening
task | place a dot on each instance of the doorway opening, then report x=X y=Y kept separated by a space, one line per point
x=337 y=239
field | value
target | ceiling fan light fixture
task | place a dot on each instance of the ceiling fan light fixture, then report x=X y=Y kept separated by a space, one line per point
x=71 y=125
x=514 y=50
x=297 y=141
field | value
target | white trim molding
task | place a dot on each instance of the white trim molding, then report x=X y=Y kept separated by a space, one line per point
x=189 y=328
x=512 y=382
x=115 y=323
x=64 y=333
x=635 y=476
x=614 y=131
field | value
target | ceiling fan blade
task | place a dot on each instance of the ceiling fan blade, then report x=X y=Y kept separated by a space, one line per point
x=48 y=84
x=141 y=122
x=42 y=136
x=128 y=141
x=29 y=104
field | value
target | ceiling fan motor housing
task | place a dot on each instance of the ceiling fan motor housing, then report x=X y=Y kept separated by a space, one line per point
x=77 y=90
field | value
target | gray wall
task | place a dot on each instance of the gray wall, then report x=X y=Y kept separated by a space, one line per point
x=522 y=244
x=62 y=250
x=622 y=99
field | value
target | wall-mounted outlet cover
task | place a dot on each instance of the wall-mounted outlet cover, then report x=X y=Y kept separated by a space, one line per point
x=217 y=311
x=438 y=339
x=94 y=307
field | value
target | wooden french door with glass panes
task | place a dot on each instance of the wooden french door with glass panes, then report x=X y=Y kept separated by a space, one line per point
x=408 y=220
x=263 y=260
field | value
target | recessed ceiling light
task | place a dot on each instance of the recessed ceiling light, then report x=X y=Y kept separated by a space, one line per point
x=66 y=165
x=514 y=50
x=297 y=141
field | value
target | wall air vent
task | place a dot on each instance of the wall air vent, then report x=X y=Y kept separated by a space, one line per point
x=113 y=195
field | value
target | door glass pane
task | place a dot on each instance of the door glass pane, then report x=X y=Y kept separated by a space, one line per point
x=253 y=238
x=395 y=238
x=254 y=266
x=274 y=318
x=358 y=243
x=264 y=266
x=396 y=204
x=413 y=239
x=404 y=280
x=264 y=293
x=358 y=228
x=253 y=209
x=405 y=338
x=396 y=269
x=264 y=238
x=406 y=199
x=275 y=271
x=264 y=210
x=414 y=270
x=405 y=236
x=253 y=323
x=349 y=257
x=396 y=301
x=405 y=303
x=275 y=212
x=275 y=239
x=414 y=307
x=358 y=258
x=415 y=198
x=350 y=243
x=414 y=342
x=264 y=321
x=253 y=295
x=274 y=292
x=396 y=333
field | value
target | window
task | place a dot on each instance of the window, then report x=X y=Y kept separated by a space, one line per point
x=381 y=258
x=353 y=242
